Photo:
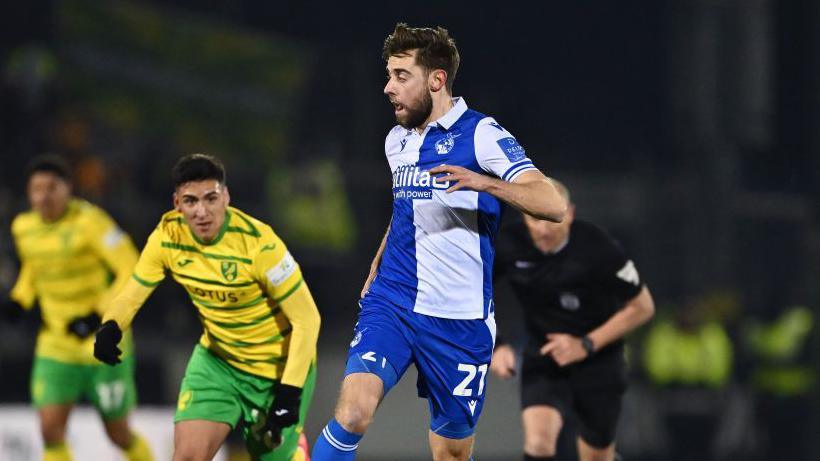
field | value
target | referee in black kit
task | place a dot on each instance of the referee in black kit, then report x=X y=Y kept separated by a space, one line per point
x=580 y=294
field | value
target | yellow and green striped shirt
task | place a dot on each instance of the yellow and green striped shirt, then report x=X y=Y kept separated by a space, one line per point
x=67 y=266
x=255 y=308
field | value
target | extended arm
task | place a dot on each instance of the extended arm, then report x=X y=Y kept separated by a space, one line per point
x=530 y=192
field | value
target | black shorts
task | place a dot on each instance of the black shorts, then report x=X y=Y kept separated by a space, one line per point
x=591 y=390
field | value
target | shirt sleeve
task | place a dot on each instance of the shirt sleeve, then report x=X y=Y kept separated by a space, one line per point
x=498 y=152
x=618 y=272
x=23 y=291
x=116 y=249
x=148 y=273
x=150 y=268
x=280 y=275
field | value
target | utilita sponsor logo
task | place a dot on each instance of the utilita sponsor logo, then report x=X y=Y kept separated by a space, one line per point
x=409 y=182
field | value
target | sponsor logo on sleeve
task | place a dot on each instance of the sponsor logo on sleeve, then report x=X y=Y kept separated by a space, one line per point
x=280 y=272
x=629 y=274
x=511 y=148
x=113 y=237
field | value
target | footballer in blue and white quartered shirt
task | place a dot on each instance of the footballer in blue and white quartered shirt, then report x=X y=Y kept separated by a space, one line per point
x=428 y=300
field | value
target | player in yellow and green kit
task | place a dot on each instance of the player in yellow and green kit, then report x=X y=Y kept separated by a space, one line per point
x=255 y=361
x=69 y=249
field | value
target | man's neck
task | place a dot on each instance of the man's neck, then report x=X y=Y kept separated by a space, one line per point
x=442 y=103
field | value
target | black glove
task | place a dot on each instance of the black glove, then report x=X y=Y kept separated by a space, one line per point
x=83 y=327
x=106 y=341
x=284 y=412
x=12 y=310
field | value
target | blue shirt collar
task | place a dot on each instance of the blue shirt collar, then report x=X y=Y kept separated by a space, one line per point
x=452 y=115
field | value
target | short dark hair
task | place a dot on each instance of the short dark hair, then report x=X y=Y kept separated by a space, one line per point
x=436 y=49
x=49 y=163
x=197 y=167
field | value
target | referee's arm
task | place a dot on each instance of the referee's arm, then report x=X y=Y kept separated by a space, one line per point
x=566 y=349
x=635 y=313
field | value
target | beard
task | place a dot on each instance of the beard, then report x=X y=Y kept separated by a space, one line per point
x=416 y=114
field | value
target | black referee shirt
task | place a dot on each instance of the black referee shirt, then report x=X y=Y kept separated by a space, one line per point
x=572 y=291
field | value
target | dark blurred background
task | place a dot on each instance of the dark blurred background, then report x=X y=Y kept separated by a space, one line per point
x=688 y=128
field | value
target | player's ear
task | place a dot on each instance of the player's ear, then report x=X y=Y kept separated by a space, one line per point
x=176 y=202
x=227 y=196
x=437 y=80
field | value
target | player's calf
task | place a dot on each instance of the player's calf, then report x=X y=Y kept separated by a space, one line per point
x=358 y=400
x=53 y=420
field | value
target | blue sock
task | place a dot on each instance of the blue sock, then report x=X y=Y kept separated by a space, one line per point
x=335 y=443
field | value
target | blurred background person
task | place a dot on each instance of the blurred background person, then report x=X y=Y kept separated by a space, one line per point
x=73 y=258
x=688 y=357
x=782 y=379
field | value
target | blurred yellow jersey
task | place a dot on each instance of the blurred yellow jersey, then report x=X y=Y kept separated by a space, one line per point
x=71 y=267
x=237 y=282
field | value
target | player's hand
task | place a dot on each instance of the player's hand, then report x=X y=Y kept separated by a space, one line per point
x=503 y=363
x=105 y=344
x=283 y=413
x=83 y=327
x=12 y=310
x=464 y=178
x=564 y=349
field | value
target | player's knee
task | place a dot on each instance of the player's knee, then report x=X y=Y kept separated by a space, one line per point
x=542 y=442
x=597 y=454
x=192 y=451
x=452 y=452
x=119 y=436
x=541 y=439
x=354 y=417
x=53 y=432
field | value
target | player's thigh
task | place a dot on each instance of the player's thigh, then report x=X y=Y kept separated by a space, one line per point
x=381 y=344
x=112 y=390
x=198 y=440
x=453 y=358
x=53 y=421
x=358 y=399
x=446 y=449
x=56 y=383
x=208 y=390
x=545 y=397
x=587 y=452
x=255 y=408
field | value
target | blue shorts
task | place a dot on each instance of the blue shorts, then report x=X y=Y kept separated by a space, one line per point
x=452 y=358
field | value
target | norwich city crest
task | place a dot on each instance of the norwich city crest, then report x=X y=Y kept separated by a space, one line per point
x=229 y=270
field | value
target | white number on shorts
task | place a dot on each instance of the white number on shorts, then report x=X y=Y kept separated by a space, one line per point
x=111 y=394
x=462 y=390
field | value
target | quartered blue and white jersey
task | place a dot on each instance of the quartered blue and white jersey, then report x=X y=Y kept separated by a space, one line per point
x=439 y=254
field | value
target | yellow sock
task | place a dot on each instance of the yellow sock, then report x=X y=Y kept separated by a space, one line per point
x=57 y=452
x=139 y=449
